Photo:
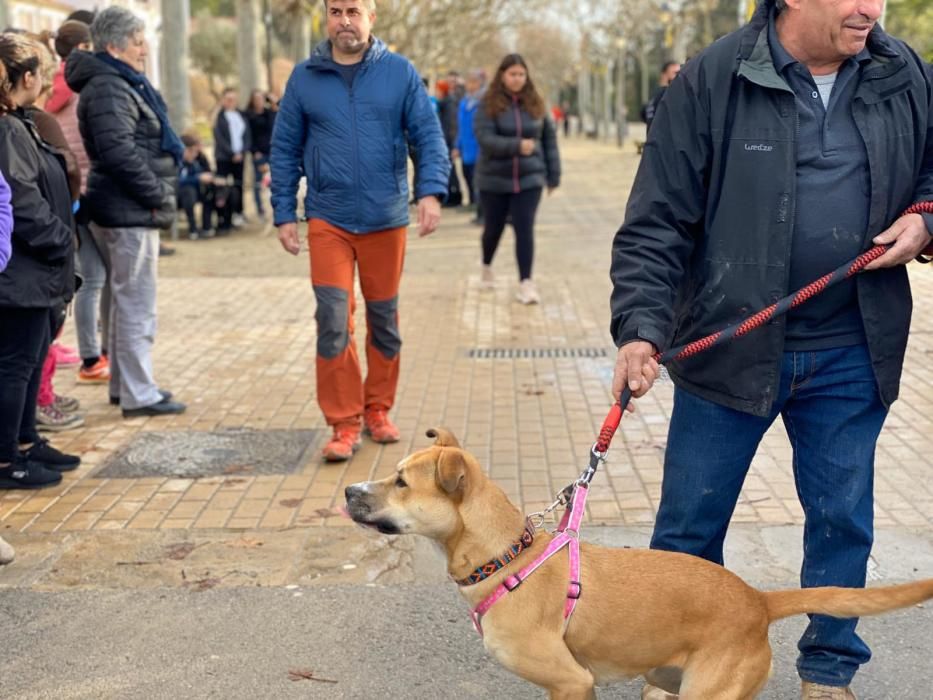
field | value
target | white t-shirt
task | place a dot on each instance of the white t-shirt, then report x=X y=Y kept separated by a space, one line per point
x=824 y=83
x=237 y=125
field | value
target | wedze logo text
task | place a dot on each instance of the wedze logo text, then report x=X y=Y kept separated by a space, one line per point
x=758 y=147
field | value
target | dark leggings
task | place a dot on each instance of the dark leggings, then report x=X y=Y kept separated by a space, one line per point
x=522 y=206
x=24 y=342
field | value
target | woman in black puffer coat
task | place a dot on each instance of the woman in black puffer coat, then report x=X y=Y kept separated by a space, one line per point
x=518 y=157
x=40 y=274
x=134 y=156
x=132 y=180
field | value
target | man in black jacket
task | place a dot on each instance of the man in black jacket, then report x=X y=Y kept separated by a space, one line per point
x=134 y=158
x=779 y=153
x=231 y=144
x=669 y=71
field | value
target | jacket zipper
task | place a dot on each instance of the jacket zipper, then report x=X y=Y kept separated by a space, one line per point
x=356 y=153
x=515 y=159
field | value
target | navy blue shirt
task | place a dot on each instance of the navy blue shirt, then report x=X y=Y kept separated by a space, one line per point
x=348 y=71
x=832 y=202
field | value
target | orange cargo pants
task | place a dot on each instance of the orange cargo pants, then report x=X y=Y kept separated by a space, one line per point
x=335 y=254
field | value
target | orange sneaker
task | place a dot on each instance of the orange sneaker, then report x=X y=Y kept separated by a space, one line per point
x=98 y=373
x=377 y=424
x=344 y=442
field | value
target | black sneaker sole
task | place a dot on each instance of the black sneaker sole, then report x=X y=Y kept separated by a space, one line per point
x=11 y=484
x=70 y=467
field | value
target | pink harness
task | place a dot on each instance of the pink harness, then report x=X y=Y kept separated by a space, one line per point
x=567 y=535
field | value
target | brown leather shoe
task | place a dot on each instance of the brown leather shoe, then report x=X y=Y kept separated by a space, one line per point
x=652 y=692
x=815 y=691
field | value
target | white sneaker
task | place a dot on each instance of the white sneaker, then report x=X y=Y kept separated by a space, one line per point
x=488 y=280
x=527 y=292
x=51 y=420
x=7 y=554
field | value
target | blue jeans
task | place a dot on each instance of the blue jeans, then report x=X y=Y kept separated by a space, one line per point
x=92 y=301
x=259 y=163
x=829 y=403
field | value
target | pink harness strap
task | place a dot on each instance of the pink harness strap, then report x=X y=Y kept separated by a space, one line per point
x=567 y=535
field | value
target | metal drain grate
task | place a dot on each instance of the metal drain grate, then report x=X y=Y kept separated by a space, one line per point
x=533 y=353
x=216 y=453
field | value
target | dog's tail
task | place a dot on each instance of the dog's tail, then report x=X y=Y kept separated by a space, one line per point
x=846 y=602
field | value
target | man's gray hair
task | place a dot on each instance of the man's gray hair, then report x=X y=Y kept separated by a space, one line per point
x=780 y=5
x=368 y=4
x=114 y=26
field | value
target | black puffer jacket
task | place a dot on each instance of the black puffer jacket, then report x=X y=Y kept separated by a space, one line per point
x=501 y=168
x=132 y=180
x=41 y=270
x=707 y=232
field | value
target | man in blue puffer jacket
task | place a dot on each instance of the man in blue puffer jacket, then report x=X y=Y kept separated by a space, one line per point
x=345 y=123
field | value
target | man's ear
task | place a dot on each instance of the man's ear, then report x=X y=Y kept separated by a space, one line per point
x=443 y=437
x=451 y=471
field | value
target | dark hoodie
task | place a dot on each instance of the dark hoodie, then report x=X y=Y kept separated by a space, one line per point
x=132 y=180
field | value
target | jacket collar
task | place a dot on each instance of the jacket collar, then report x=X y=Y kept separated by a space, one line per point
x=322 y=57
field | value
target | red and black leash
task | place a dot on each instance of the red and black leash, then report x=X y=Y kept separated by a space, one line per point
x=850 y=269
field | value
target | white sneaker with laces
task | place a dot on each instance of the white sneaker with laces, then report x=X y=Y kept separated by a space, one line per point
x=527 y=292
x=51 y=420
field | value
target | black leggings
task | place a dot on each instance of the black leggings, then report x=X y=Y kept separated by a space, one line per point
x=522 y=206
x=24 y=342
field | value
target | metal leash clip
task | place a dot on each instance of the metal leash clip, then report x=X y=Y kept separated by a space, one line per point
x=538 y=519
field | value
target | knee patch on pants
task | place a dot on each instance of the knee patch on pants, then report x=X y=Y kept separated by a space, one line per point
x=382 y=317
x=332 y=316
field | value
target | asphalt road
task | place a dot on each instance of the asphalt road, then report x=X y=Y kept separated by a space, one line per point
x=402 y=641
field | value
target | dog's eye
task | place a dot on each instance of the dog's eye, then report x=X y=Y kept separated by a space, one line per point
x=400 y=482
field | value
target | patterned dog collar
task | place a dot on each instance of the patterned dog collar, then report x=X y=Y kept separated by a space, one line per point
x=489 y=568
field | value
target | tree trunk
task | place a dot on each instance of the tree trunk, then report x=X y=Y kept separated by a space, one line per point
x=176 y=88
x=249 y=63
x=300 y=39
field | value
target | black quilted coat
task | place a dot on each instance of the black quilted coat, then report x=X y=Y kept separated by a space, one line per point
x=132 y=180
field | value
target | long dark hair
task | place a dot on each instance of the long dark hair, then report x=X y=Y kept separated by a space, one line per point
x=498 y=98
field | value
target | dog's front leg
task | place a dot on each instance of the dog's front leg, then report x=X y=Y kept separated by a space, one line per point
x=545 y=661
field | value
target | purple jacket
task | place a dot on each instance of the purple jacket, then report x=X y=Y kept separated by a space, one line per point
x=6 y=223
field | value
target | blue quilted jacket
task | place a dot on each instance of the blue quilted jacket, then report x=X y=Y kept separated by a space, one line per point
x=352 y=143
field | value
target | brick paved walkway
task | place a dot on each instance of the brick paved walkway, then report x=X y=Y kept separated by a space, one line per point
x=236 y=342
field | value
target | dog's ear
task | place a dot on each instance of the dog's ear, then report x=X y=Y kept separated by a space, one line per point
x=451 y=470
x=443 y=437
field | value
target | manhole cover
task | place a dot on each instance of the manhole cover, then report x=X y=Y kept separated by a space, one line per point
x=216 y=453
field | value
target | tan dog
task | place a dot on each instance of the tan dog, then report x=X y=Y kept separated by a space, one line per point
x=687 y=625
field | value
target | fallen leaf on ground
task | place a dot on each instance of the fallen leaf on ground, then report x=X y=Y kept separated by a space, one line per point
x=238 y=469
x=306 y=674
x=291 y=502
x=204 y=584
x=245 y=543
x=179 y=551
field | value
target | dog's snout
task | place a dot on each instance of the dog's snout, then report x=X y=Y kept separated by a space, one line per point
x=353 y=491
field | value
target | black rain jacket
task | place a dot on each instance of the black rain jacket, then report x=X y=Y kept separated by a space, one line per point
x=708 y=226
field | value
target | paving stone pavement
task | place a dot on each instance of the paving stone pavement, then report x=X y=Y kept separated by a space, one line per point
x=236 y=342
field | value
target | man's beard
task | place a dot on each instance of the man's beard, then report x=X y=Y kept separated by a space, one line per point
x=350 y=43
